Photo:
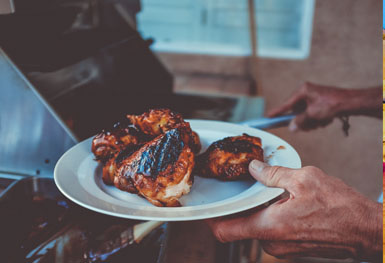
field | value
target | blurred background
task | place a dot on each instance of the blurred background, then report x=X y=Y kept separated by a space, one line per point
x=78 y=66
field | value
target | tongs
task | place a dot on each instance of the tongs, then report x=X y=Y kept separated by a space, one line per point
x=269 y=123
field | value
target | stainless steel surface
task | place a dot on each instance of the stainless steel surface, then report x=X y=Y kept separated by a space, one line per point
x=269 y=123
x=32 y=137
x=53 y=224
x=7 y=7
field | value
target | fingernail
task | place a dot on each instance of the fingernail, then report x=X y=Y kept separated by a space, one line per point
x=257 y=166
x=293 y=126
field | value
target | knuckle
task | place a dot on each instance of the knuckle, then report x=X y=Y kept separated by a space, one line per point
x=272 y=174
x=303 y=178
x=299 y=186
x=309 y=171
x=306 y=177
x=219 y=234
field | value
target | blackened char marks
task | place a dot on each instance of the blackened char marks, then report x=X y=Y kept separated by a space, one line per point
x=234 y=147
x=159 y=156
x=123 y=134
x=125 y=127
x=229 y=158
x=237 y=146
x=127 y=152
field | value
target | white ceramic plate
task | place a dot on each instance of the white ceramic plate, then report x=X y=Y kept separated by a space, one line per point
x=79 y=178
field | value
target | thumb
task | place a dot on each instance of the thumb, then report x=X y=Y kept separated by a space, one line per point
x=272 y=176
x=288 y=105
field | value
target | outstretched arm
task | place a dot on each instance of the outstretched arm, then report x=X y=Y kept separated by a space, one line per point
x=318 y=105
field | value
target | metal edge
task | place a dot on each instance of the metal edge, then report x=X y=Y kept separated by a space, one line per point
x=39 y=96
x=9 y=187
x=164 y=242
x=20 y=181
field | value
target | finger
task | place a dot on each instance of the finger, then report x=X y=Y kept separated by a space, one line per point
x=293 y=248
x=282 y=249
x=272 y=176
x=256 y=226
x=227 y=230
x=289 y=105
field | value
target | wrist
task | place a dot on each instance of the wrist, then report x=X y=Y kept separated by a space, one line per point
x=349 y=102
x=370 y=241
x=359 y=102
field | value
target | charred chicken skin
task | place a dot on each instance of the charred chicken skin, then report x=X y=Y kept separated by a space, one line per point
x=110 y=142
x=156 y=121
x=228 y=159
x=126 y=136
x=111 y=166
x=161 y=170
x=152 y=155
x=137 y=129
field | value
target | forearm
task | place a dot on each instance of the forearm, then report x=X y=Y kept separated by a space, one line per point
x=366 y=102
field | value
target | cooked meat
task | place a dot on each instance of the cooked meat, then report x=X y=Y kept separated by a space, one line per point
x=229 y=158
x=156 y=121
x=152 y=154
x=138 y=129
x=111 y=166
x=196 y=143
x=109 y=169
x=161 y=169
x=109 y=142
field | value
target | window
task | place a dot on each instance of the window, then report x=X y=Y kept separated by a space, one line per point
x=221 y=27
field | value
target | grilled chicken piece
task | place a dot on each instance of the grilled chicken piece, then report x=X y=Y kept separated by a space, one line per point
x=137 y=129
x=108 y=143
x=156 y=121
x=160 y=170
x=229 y=158
x=111 y=166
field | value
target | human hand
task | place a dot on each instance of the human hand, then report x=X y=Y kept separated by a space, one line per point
x=321 y=217
x=317 y=106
